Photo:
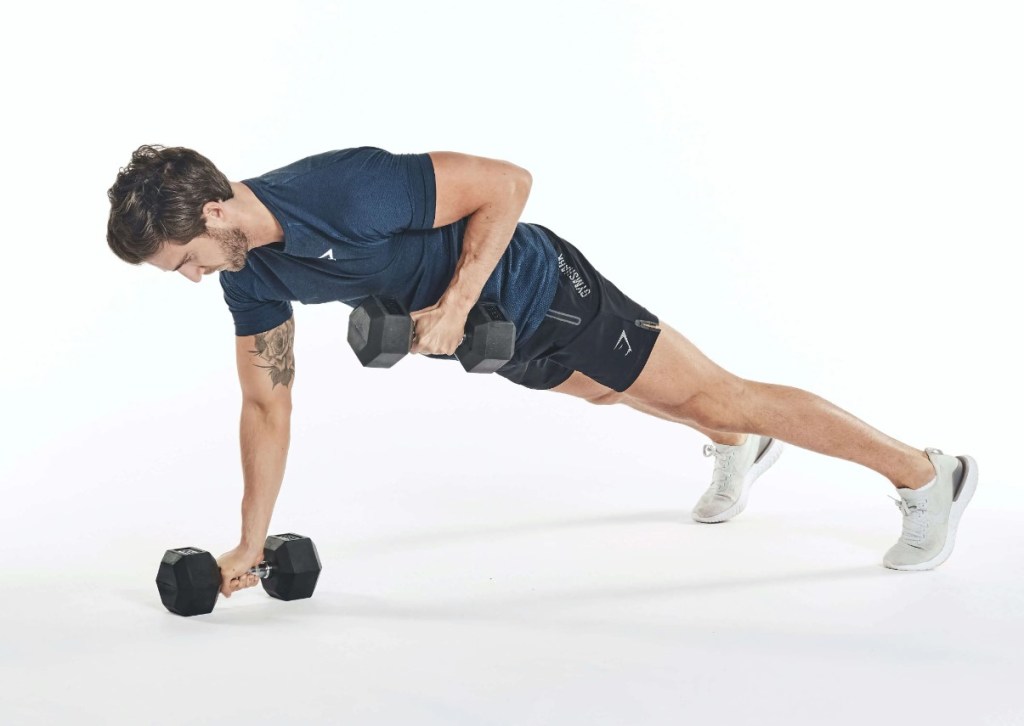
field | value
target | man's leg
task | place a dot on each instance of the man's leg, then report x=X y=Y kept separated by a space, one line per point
x=588 y=389
x=679 y=383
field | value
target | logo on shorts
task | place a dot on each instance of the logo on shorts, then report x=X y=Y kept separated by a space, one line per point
x=574 y=277
x=623 y=339
x=329 y=254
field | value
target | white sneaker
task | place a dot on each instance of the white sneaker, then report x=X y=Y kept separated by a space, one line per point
x=736 y=468
x=931 y=514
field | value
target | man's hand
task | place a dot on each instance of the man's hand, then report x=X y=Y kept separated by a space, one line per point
x=234 y=566
x=438 y=329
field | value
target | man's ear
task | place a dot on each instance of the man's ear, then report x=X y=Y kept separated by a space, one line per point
x=213 y=210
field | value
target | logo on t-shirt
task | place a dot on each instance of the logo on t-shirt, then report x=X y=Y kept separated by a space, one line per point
x=329 y=254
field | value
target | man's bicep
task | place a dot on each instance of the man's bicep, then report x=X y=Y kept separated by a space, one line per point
x=464 y=183
x=266 y=366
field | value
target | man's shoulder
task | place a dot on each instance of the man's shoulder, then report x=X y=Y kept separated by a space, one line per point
x=239 y=285
x=228 y=280
x=324 y=160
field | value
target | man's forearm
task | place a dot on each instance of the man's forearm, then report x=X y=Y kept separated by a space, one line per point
x=264 y=438
x=488 y=233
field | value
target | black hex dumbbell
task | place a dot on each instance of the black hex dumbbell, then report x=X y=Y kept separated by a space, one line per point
x=380 y=332
x=189 y=578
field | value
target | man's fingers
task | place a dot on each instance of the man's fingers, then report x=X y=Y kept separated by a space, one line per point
x=243 y=581
x=415 y=347
x=238 y=583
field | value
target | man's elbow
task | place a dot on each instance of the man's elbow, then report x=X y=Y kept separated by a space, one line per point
x=278 y=410
x=521 y=182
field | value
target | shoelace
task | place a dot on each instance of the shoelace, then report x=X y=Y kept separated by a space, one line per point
x=723 y=460
x=915 y=523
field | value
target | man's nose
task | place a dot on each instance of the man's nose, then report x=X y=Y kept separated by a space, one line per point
x=191 y=272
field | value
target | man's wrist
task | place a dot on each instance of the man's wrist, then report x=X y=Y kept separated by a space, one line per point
x=251 y=548
x=457 y=301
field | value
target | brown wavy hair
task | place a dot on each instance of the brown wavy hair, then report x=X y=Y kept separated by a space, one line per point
x=159 y=198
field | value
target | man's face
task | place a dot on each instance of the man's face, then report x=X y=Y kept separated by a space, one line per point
x=218 y=249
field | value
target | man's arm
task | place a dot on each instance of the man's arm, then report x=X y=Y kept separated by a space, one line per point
x=492 y=193
x=266 y=370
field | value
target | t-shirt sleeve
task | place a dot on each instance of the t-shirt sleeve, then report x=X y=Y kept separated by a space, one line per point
x=253 y=316
x=384 y=194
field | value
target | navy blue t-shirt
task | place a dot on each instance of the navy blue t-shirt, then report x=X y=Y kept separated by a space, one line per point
x=357 y=222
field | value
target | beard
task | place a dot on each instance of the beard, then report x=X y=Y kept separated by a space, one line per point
x=234 y=243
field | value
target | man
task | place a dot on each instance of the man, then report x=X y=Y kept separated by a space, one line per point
x=440 y=231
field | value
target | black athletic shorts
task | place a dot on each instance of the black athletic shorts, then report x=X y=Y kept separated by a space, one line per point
x=591 y=327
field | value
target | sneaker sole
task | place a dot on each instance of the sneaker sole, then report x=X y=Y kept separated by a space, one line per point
x=769 y=457
x=956 y=511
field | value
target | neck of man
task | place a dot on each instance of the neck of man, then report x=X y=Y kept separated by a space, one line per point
x=259 y=225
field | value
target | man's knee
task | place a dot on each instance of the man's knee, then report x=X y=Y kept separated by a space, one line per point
x=721 y=404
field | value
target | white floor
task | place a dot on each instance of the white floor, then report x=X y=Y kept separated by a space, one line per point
x=584 y=595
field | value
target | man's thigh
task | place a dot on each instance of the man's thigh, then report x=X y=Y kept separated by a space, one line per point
x=583 y=386
x=675 y=379
x=679 y=379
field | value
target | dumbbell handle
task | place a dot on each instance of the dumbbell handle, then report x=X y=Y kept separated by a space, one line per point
x=263 y=570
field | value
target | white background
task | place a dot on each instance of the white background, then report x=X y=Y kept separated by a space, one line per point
x=824 y=195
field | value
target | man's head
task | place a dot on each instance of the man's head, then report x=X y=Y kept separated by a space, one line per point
x=167 y=208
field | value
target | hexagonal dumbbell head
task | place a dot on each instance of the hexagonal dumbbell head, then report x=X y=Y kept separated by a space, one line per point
x=188 y=581
x=296 y=566
x=380 y=332
x=490 y=339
